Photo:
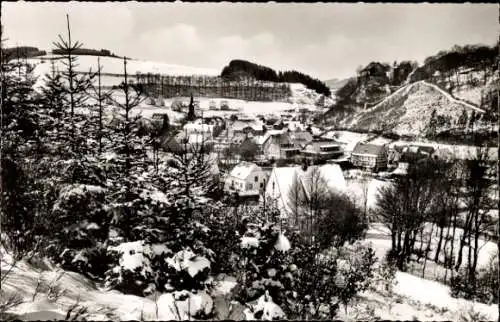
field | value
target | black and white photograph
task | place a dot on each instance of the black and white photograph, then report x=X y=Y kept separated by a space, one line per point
x=249 y=161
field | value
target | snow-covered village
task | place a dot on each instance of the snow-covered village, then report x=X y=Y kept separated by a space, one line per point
x=259 y=161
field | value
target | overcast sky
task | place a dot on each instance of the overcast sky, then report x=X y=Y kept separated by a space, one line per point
x=323 y=40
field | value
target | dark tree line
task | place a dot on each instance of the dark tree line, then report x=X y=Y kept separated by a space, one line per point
x=87 y=51
x=449 y=61
x=238 y=69
x=22 y=52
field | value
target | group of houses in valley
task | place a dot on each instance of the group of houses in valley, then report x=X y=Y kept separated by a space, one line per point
x=266 y=157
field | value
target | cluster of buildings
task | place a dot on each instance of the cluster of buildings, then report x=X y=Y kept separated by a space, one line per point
x=285 y=151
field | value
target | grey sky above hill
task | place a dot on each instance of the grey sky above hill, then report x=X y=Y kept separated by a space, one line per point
x=323 y=40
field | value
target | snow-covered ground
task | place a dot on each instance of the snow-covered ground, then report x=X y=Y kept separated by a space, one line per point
x=101 y=304
x=413 y=298
x=379 y=236
x=473 y=93
x=246 y=107
x=238 y=107
x=420 y=298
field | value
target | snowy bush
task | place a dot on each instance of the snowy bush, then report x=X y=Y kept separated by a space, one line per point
x=132 y=272
x=384 y=276
x=470 y=314
x=223 y=238
x=79 y=244
x=261 y=263
x=186 y=270
x=355 y=265
x=302 y=280
x=329 y=278
x=91 y=261
x=184 y=305
x=264 y=309
x=18 y=205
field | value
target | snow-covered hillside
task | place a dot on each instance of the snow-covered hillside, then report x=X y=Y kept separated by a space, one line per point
x=304 y=96
x=413 y=298
x=408 y=111
x=114 y=65
x=475 y=94
x=112 y=74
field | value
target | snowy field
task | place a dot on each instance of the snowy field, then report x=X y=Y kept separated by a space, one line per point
x=113 y=65
x=239 y=107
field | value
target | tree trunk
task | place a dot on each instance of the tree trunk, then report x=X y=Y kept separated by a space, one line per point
x=454 y=230
x=475 y=253
x=406 y=247
x=438 y=248
x=398 y=249
x=469 y=254
x=393 y=239
x=463 y=238
x=427 y=251
x=445 y=247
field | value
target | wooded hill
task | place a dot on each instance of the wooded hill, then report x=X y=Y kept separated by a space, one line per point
x=238 y=69
x=450 y=84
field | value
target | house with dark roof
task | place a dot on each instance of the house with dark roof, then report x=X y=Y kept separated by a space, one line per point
x=300 y=138
x=321 y=150
x=410 y=153
x=369 y=156
x=283 y=144
x=276 y=144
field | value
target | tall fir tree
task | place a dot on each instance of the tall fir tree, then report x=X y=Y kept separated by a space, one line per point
x=76 y=86
x=101 y=98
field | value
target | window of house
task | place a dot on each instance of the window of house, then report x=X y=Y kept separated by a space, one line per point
x=256 y=178
x=262 y=184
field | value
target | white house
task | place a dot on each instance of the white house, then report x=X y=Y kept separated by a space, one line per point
x=197 y=127
x=246 y=179
x=282 y=179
